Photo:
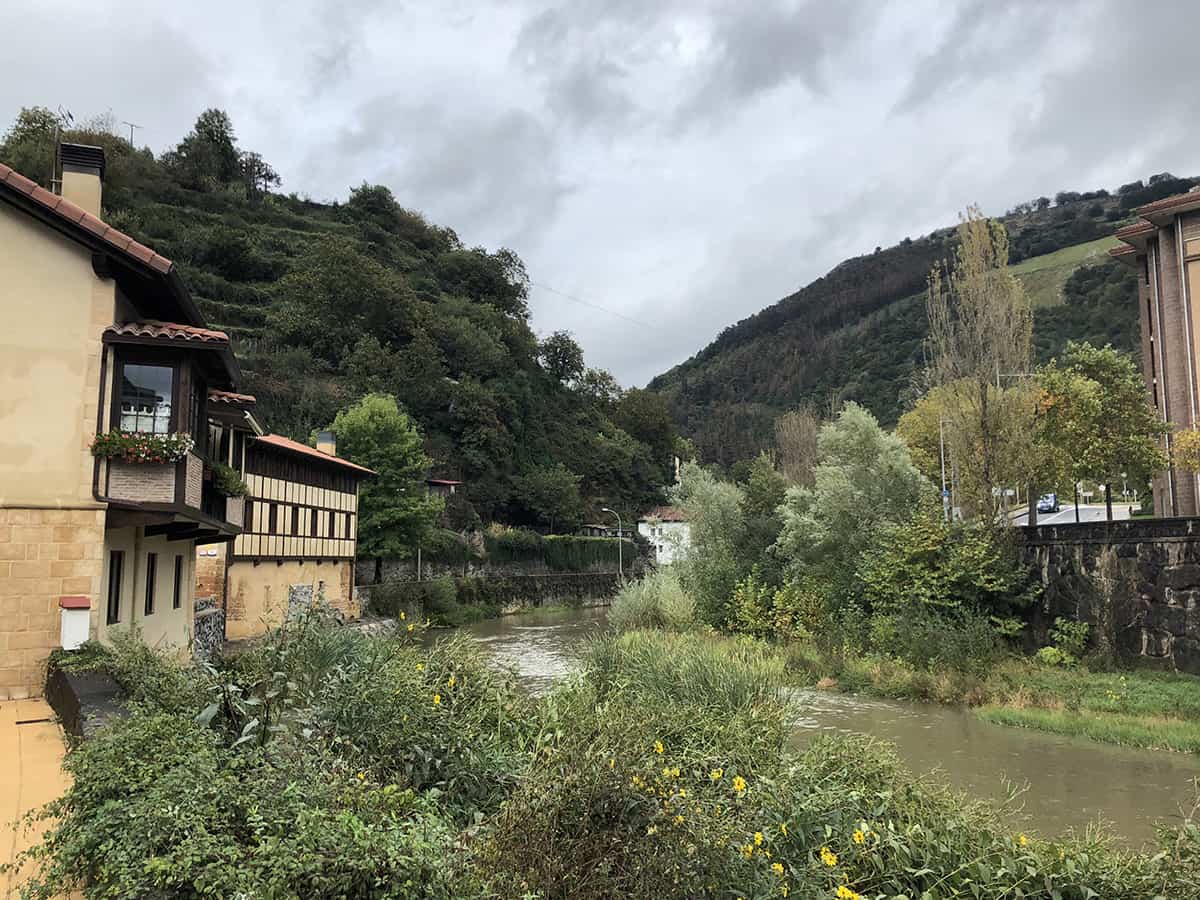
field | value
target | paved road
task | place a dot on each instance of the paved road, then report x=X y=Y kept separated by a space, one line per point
x=1093 y=512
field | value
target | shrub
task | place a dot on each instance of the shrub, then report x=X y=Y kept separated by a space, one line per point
x=961 y=640
x=227 y=481
x=1070 y=636
x=656 y=601
x=157 y=808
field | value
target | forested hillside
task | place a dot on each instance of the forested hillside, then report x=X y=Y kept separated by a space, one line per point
x=326 y=302
x=858 y=332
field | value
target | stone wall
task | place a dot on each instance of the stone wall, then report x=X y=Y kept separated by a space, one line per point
x=45 y=554
x=509 y=594
x=1136 y=582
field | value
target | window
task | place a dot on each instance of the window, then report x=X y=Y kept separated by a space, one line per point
x=177 y=591
x=146 y=393
x=274 y=518
x=295 y=520
x=151 y=574
x=116 y=566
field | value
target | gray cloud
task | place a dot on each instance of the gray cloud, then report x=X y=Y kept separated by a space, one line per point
x=683 y=162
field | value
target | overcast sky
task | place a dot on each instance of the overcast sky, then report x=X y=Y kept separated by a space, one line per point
x=680 y=164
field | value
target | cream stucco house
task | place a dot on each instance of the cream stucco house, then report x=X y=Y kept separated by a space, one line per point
x=100 y=336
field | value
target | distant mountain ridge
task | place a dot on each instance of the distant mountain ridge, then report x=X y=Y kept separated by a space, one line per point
x=857 y=333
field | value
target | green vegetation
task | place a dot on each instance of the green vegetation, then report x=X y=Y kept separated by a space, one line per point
x=324 y=763
x=656 y=601
x=326 y=303
x=1045 y=277
x=857 y=333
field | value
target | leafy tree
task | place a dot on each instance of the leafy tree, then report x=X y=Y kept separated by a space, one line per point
x=395 y=512
x=208 y=155
x=551 y=493
x=929 y=565
x=257 y=174
x=1095 y=413
x=796 y=443
x=864 y=479
x=714 y=564
x=645 y=416
x=561 y=357
x=600 y=387
x=980 y=328
x=335 y=295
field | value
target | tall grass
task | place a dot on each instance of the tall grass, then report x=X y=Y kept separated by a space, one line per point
x=656 y=601
x=693 y=668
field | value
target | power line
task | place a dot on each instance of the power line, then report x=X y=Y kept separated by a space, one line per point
x=588 y=303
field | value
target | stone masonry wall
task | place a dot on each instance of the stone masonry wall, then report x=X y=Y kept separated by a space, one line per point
x=45 y=554
x=1136 y=582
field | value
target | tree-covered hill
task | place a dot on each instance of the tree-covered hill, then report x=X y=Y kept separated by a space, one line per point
x=858 y=332
x=327 y=302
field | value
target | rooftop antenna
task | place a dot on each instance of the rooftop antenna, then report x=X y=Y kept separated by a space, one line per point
x=132 y=126
x=64 y=119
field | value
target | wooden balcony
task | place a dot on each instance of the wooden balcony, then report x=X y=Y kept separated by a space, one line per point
x=173 y=494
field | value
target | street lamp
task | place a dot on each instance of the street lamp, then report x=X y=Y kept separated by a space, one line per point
x=620 y=542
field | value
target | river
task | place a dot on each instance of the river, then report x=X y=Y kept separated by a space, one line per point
x=1070 y=782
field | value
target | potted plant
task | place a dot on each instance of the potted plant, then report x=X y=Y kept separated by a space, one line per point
x=226 y=481
x=139 y=447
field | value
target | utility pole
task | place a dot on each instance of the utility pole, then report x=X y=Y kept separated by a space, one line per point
x=942 y=452
x=620 y=545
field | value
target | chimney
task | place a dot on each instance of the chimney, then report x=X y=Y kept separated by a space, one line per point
x=82 y=175
x=327 y=442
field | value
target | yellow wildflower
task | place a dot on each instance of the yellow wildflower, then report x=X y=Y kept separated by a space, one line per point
x=758 y=838
x=683 y=792
x=653 y=829
x=716 y=774
x=612 y=763
x=1022 y=840
x=828 y=857
x=844 y=893
x=748 y=851
x=679 y=820
x=783 y=828
x=739 y=783
x=420 y=667
x=402 y=616
x=450 y=682
x=437 y=699
x=777 y=868
x=783 y=889
x=658 y=747
x=410 y=627
x=361 y=776
x=859 y=837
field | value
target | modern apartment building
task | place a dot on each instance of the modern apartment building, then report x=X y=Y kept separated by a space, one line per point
x=1163 y=246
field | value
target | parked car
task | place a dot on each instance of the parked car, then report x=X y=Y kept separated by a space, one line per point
x=1048 y=503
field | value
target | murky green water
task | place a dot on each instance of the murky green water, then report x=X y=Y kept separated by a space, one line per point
x=1069 y=782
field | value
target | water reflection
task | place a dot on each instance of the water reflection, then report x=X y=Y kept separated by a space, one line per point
x=1071 y=782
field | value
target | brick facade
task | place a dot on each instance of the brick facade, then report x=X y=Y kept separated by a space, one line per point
x=45 y=554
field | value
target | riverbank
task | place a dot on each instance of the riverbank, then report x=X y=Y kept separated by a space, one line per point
x=1134 y=708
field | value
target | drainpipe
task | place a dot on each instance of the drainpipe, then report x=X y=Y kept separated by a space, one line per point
x=1164 y=403
x=1191 y=346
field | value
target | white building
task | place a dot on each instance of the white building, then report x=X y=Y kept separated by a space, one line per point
x=668 y=531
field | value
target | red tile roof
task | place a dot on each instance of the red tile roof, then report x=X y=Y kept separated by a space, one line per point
x=231 y=397
x=69 y=212
x=282 y=443
x=1135 y=229
x=666 y=514
x=171 y=331
x=1169 y=202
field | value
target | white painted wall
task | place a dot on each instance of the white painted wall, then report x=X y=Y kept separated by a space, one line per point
x=671 y=540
